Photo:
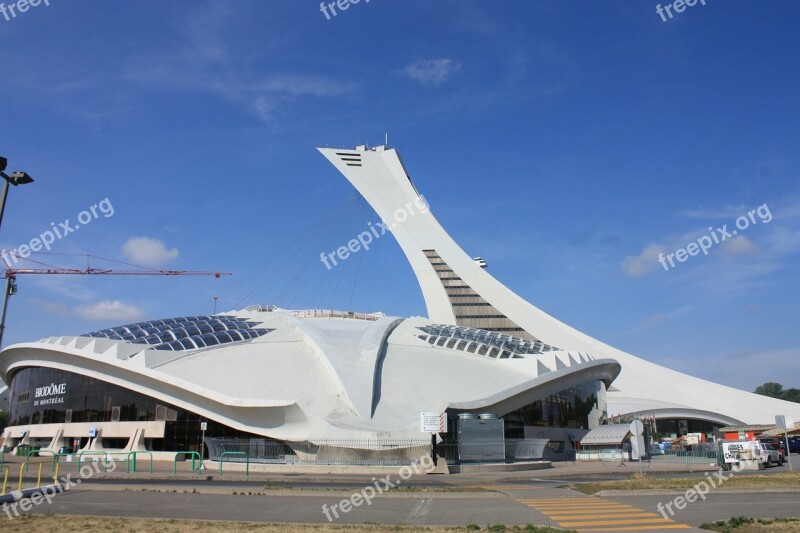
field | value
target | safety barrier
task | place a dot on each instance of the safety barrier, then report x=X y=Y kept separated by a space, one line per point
x=194 y=456
x=28 y=454
x=687 y=458
x=38 y=453
x=93 y=453
x=5 y=479
x=56 y=456
x=324 y=451
x=130 y=463
x=247 y=460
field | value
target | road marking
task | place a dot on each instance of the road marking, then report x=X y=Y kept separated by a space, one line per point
x=605 y=514
x=420 y=512
x=635 y=528
x=591 y=514
x=623 y=522
x=501 y=488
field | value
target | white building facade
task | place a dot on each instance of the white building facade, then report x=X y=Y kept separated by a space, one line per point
x=305 y=378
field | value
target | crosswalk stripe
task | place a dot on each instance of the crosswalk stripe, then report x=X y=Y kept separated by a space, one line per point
x=580 y=504
x=585 y=508
x=511 y=487
x=603 y=515
x=636 y=528
x=620 y=521
x=594 y=511
x=574 y=502
x=591 y=514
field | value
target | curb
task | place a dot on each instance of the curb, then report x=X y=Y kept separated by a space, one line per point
x=320 y=493
x=19 y=495
x=676 y=492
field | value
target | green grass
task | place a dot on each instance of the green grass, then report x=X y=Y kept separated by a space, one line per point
x=743 y=524
x=91 y=524
x=636 y=482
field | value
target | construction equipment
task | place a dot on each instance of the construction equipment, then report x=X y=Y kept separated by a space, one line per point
x=12 y=273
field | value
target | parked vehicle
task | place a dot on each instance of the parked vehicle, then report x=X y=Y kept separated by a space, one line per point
x=773 y=455
x=776 y=441
x=655 y=449
x=794 y=444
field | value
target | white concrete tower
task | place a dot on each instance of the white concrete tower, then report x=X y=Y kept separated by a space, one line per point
x=459 y=291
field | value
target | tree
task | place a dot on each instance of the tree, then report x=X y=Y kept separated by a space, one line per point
x=776 y=390
x=791 y=395
x=771 y=389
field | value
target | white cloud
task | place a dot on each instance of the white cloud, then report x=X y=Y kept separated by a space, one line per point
x=652 y=321
x=739 y=245
x=728 y=212
x=109 y=310
x=148 y=252
x=53 y=308
x=206 y=58
x=70 y=288
x=779 y=365
x=636 y=266
x=432 y=71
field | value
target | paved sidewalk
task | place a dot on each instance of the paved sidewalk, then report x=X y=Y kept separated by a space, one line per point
x=162 y=471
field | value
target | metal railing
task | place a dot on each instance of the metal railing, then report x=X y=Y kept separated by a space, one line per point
x=335 y=313
x=5 y=478
x=38 y=454
x=509 y=451
x=130 y=461
x=525 y=449
x=691 y=457
x=602 y=454
x=235 y=454
x=388 y=452
x=696 y=457
x=566 y=455
x=193 y=455
x=94 y=453
x=371 y=452
x=259 y=450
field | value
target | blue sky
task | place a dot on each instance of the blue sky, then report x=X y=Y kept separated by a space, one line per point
x=568 y=144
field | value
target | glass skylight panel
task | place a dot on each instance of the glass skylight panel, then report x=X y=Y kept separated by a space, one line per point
x=184 y=333
x=489 y=343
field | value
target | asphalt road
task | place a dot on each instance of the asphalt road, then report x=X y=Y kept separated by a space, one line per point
x=722 y=506
x=542 y=503
x=512 y=499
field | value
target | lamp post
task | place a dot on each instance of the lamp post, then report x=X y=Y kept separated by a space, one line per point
x=15 y=179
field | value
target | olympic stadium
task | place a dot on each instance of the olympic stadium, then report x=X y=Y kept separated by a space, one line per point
x=312 y=380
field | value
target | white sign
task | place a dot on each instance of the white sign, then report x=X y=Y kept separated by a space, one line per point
x=780 y=421
x=730 y=451
x=637 y=427
x=203 y=426
x=51 y=390
x=50 y=394
x=433 y=423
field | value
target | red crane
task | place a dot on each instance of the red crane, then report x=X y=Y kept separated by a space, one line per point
x=11 y=275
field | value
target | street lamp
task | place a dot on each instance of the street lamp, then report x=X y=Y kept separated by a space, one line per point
x=15 y=179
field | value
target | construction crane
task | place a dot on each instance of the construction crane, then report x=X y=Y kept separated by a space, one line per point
x=12 y=273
